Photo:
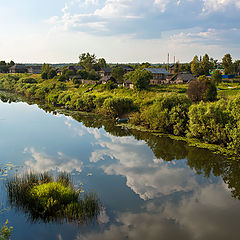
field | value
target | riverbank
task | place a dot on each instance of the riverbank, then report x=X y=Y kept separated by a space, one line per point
x=160 y=110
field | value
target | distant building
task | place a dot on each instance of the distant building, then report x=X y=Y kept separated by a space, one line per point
x=182 y=78
x=159 y=75
x=128 y=84
x=34 y=69
x=105 y=72
x=18 y=68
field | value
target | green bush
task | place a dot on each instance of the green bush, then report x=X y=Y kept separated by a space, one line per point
x=116 y=107
x=5 y=231
x=168 y=114
x=207 y=121
x=27 y=80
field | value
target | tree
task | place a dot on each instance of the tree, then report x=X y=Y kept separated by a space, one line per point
x=202 y=89
x=216 y=77
x=83 y=74
x=102 y=63
x=236 y=65
x=176 y=67
x=5 y=231
x=51 y=73
x=88 y=61
x=205 y=65
x=195 y=66
x=118 y=73
x=227 y=64
x=140 y=78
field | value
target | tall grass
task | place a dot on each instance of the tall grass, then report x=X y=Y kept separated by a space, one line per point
x=46 y=198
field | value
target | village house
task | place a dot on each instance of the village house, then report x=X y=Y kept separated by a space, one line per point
x=159 y=75
x=18 y=68
x=182 y=78
x=36 y=69
x=128 y=84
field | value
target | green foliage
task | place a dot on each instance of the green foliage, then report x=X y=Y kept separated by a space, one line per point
x=202 y=89
x=51 y=73
x=207 y=122
x=83 y=74
x=27 y=80
x=76 y=80
x=227 y=64
x=5 y=231
x=140 y=78
x=87 y=61
x=216 y=77
x=118 y=73
x=168 y=114
x=116 y=107
x=48 y=72
x=195 y=66
x=43 y=198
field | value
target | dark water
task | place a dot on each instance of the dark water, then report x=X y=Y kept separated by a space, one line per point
x=151 y=187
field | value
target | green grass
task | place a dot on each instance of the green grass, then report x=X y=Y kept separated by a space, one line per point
x=44 y=198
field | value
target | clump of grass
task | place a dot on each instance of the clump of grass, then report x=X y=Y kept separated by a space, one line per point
x=44 y=198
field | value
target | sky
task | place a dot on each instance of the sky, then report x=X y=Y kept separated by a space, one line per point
x=58 y=31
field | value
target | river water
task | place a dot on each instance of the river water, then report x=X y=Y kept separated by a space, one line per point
x=150 y=187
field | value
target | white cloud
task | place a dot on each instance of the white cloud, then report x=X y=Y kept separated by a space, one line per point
x=219 y=5
x=42 y=162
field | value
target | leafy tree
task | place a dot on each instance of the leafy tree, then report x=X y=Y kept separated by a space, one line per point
x=88 y=61
x=102 y=63
x=92 y=75
x=236 y=66
x=227 y=64
x=176 y=67
x=140 y=78
x=83 y=74
x=202 y=89
x=205 y=65
x=118 y=73
x=51 y=74
x=144 y=65
x=216 y=77
x=195 y=66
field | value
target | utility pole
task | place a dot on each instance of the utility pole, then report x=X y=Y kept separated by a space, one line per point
x=174 y=60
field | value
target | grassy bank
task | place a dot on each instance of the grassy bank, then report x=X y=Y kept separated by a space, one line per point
x=160 y=109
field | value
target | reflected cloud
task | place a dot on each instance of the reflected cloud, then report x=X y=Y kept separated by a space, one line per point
x=42 y=162
x=195 y=216
x=146 y=176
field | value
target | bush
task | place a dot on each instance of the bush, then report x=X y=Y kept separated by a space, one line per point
x=168 y=114
x=43 y=198
x=27 y=80
x=116 y=107
x=207 y=122
x=5 y=232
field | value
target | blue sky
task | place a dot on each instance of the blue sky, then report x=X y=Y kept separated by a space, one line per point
x=118 y=30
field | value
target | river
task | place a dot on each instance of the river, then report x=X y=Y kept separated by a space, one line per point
x=150 y=187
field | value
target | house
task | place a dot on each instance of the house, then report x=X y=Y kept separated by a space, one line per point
x=128 y=84
x=182 y=78
x=105 y=73
x=18 y=68
x=159 y=75
x=34 y=69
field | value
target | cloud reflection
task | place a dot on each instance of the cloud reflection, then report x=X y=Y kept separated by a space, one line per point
x=40 y=162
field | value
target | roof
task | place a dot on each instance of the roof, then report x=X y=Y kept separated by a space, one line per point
x=18 y=66
x=186 y=77
x=158 y=70
x=109 y=70
x=128 y=81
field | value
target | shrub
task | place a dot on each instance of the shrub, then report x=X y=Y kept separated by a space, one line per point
x=27 y=80
x=168 y=114
x=49 y=200
x=116 y=107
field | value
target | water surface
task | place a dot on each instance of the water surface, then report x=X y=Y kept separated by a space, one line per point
x=150 y=187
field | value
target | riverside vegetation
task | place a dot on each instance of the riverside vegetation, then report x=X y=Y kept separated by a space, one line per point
x=163 y=109
x=44 y=198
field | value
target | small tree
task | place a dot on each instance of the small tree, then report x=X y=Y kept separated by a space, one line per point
x=118 y=73
x=227 y=64
x=202 y=89
x=216 y=77
x=195 y=66
x=140 y=78
x=88 y=61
